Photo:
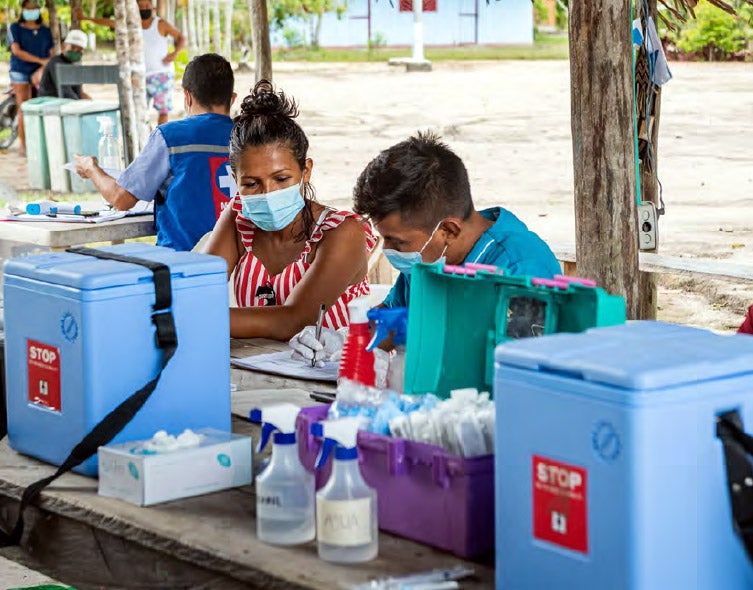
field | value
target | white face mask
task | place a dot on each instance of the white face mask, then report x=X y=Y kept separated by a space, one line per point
x=404 y=261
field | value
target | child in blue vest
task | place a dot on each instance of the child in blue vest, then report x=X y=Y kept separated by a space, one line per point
x=184 y=166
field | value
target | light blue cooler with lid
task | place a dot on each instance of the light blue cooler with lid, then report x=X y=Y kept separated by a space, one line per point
x=79 y=340
x=609 y=472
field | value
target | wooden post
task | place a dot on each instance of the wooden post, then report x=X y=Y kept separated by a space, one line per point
x=75 y=7
x=130 y=133
x=162 y=9
x=601 y=91
x=206 y=37
x=260 y=36
x=193 y=35
x=138 y=74
x=647 y=292
x=52 y=15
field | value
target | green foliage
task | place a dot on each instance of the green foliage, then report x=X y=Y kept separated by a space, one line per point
x=293 y=37
x=378 y=40
x=102 y=33
x=310 y=11
x=713 y=34
x=181 y=61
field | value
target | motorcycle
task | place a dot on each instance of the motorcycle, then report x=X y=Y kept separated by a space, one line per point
x=8 y=120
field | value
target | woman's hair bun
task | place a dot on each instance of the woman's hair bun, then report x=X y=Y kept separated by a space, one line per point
x=264 y=101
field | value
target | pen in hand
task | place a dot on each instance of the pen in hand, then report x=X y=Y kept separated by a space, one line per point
x=319 y=320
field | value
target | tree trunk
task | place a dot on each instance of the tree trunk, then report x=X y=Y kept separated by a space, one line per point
x=52 y=14
x=216 y=28
x=647 y=297
x=228 y=49
x=75 y=7
x=193 y=35
x=601 y=92
x=130 y=133
x=93 y=8
x=162 y=9
x=260 y=35
x=138 y=72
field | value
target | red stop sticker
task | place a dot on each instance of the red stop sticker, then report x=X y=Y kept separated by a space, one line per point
x=560 y=507
x=43 y=367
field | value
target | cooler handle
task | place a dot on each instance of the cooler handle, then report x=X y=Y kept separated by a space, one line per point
x=738 y=450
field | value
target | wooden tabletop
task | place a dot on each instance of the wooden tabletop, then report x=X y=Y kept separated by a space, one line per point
x=207 y=541
x=61 y=235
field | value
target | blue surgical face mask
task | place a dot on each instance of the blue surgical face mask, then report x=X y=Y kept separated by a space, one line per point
x=31 y=14
x=404 y=261
x=273 y=211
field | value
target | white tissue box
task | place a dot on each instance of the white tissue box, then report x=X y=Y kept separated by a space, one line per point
x=130 y=472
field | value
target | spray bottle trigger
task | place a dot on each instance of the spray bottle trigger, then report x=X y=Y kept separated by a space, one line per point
x=327 y=446
x=266 y=431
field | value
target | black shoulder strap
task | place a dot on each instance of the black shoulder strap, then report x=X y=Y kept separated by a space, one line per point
x=738 y=448
x=117 y=419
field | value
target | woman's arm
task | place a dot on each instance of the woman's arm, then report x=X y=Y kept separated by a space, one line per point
x=341 y=261
x=223 y=241
x=16 y=50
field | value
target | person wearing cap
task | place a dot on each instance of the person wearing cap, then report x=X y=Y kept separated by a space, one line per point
x=73 y=50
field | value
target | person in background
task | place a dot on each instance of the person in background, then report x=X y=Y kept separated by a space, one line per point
x=158 y=60
x=73 y=50
x=747 y=325
x=290 y=254
x=418 y=196
x=184 y=166
x=31 y=46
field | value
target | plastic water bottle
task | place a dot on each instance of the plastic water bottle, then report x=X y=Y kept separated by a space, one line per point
x=346 y=507
x=108 y=150
x=284 y=490
x=357 y=364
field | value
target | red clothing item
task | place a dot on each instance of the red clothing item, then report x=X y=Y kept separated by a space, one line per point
x=747 y=327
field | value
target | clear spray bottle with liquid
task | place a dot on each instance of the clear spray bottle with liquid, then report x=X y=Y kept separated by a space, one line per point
x=108 y=149
x=284 y=490
x=346 y=507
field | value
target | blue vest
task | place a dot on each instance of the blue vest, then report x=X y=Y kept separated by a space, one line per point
x=201 y=185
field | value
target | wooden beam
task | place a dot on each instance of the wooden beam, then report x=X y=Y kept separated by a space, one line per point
x=601 y=91
x=75 y=11
x=260 y=35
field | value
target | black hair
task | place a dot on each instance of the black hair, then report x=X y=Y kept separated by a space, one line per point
x=209 y=79
x=421 y=179
x=268 y=117
x=21 y=18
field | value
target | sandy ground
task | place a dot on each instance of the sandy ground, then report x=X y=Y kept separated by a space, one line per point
x=510 y=122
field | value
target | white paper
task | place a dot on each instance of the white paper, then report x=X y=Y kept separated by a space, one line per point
x=102 y=217
x=280 y=363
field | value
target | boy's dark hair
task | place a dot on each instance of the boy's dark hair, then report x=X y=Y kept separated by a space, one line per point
x=209 y=79
x=421 y=179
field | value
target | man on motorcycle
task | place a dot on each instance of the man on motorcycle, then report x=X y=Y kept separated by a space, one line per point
x=73 y=50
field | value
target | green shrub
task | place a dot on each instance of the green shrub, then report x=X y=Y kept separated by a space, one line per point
x=714 y=33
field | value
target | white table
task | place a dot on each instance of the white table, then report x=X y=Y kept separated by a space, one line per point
x=59 y=236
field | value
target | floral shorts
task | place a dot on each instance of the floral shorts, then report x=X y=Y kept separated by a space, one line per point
x=159 y=89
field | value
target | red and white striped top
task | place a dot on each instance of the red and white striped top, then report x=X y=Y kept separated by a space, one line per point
x=255 y=287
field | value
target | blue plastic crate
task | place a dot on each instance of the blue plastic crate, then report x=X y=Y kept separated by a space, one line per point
x=79 y=339
x=609 y=473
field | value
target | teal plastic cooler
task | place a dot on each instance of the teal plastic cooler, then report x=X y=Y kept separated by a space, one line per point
x=36 y=144
x=609 y=472
x=458 y=315
x=79 y=339
x=82 y=134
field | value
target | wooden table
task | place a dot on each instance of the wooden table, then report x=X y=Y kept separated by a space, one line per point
x=59 y=236
x=208 y=541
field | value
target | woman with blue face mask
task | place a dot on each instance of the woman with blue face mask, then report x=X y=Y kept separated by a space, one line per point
x=31 y=47
x=289 y=253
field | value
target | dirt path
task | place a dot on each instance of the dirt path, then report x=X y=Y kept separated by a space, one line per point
x=510 y=122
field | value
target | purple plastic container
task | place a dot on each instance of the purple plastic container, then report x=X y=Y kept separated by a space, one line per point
x=423 y=492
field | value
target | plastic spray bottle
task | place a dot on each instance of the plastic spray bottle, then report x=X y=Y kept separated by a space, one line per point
x=284 y=490
x=392 y=321
x=108 y=150
x=356 y=363
x=346 y=507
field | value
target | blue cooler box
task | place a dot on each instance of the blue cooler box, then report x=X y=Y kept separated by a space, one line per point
x=609 y=473
x=79 y=340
